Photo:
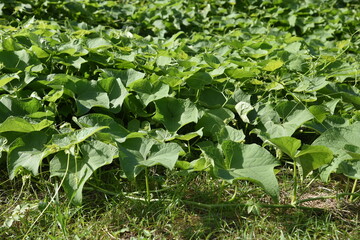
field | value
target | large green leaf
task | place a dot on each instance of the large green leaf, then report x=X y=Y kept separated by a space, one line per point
x=149 y=92
x=244 y=162
x=350 y=168
x=313 y=157
x=243 y=108
x=309 y=157
x=229 y=133
x=250 y=162
x=17 y=60
x=336 y=139
x=212 y=98
x=272 y=65
x=213 y=121
x=18 y=124
x=97 y=43
x=65 y=141
x=116 y=92
x=27 y=152
x=12 y=106
x=137 y=153
x=283 y=120
x=347 y=92
x=198 y=80
x=175 y=113
x=128 y=76
x=113 y=128
x=76 y=170
x=90 y=95
x=288 y=145
x=6 y=78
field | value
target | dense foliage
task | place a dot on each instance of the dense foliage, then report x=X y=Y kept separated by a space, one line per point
x=235 y=88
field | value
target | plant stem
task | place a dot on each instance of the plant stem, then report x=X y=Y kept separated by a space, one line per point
x=353 y=190
x=234 y=195
x=221 y=190
x=147 y=184
x=294 y=196
x=262 y=205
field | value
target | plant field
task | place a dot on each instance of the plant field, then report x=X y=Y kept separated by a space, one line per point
x=179 y=110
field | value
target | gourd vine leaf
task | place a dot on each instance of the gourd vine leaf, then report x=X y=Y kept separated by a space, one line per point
x=77 y=169
x=175 y=113
x=137 y=153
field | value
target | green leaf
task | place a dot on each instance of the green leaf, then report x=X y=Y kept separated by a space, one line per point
x=39 y=52
x=116 y=92
x=199 y=79
x=336 y=139
x=163 y=60
x=137 y=153
x=249 y=162
x=26 y=152
x=6 y=78
x=175 y=113
x=311 y=84
x=77 y=170
x=272 y=65
x=288 y=145
x=212 y=98
x=283 y=122
x=320 y=112
x=313 y=157
x=134 y=105
x=73 y=61
x=127 y=76
x=172 y=81
x=18 y=124
x=189 y=136
x=347 y=92
x=17 y=60
x=293 y=47
x=229 y=133
x=97 y=43
x=241 y=73
x=113 y=128
x=212 y=60
x=165 y=154
x=243 y=108
x=12 y=106
x=353 y=151
x=149 y=92
x=90 y=95
x=65 y=141
x=350 y=169
x=213 y=120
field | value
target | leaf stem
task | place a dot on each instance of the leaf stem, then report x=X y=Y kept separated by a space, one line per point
x=222 y=186
x=353 y=190
x=147 y=184
x=262 y=205
x=294 y=196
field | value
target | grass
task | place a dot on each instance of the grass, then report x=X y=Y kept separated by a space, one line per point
x=172 y=214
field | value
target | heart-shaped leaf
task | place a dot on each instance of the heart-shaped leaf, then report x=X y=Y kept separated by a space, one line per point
x=336 y=139
x=137 y=153
x=76 y=170
x=175 y=113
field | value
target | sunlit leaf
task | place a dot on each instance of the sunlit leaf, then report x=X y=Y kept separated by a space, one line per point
x=175 y=113
x=77 y=170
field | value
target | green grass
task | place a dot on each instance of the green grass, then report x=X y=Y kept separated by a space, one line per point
x=171 y=214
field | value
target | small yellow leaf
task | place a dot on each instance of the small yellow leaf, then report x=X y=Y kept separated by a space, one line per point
x=272 y=65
